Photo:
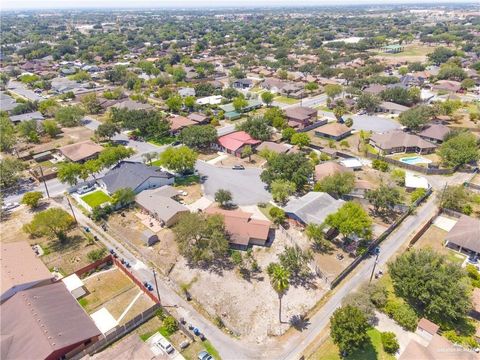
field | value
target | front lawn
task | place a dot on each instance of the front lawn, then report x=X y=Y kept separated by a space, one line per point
x=187 y=180
x=372 y=351
x=96 y=198
x=286 y=100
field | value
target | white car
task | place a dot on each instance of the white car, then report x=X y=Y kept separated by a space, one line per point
x=10 y=206
x=165 y=346
x=84 y=189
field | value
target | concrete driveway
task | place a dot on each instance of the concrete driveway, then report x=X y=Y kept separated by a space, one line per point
x=245 y=185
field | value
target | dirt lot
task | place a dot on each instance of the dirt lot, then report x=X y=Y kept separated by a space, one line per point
x=434 y=238
x=256 y=161
x=129 y=229
x=68 y=136
x=248 y=307
x=67 y=257
x=113 y=290
x=194 y=192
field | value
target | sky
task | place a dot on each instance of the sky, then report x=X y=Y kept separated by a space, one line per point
x=53 y=4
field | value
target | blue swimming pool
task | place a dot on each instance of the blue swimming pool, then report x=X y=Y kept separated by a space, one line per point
x=414 y=160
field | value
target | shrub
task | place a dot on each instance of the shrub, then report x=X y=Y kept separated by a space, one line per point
x=474 y=275
x=389 y=342
x=97 y=254
x=402 y=313
x=101 y=213
x=381 y=165
x=417 y=194
x=170 y=324
x=378 y=295
x=468 y=341
x=277 y=214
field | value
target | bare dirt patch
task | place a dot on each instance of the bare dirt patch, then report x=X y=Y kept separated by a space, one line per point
x=434 y=238
x=248 y=307
x=256 y=161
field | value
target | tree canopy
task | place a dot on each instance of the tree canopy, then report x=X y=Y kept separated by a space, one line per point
x=178 y=159
x=459 y=150
x=351 y=220
x=291 y=167
x=348 y=328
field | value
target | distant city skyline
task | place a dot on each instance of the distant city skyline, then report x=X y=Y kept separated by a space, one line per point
x=62 y=4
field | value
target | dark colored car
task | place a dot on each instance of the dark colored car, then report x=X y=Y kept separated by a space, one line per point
x=238 y=167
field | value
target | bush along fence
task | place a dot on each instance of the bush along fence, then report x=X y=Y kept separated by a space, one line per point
x=377 y=242
x=420 y=169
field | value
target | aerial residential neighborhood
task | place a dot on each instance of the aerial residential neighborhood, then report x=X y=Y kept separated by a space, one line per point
x=232 y=181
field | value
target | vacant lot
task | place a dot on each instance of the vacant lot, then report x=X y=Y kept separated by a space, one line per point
x=128 y=229
x=413 y=53
x=67 y=257
x=96 y=198
x=248 y=305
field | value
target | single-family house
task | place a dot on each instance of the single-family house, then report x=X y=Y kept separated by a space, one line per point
x=397 y=141
x=300 y=117
x=45 y=322
x=374 y=89
x=133 y=105
x=135 y=175
x=447 y=86
x=275 y=147
x=199 y=118
x=243 y=230
x=391 y=107
x=234 y=143
x=21 y=269
x=186 y=91
x=334 y=130
x=329 y=168
x=160 y=204
x=82 y=151
x=312 y=208
x=7 y=103
x=242 y=84
x=465 y=235
x=178 y=122
x=434 y=133
x=35 y=115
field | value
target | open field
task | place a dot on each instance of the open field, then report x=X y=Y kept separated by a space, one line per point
x=96 y=198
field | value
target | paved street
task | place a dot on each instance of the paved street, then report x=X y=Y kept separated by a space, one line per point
x=245 y=185
x=306 y=102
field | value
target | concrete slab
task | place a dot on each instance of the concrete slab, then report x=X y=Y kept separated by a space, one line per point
x=444 y=222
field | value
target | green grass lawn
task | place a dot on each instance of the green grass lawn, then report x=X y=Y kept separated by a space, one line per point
x=156 y=163
x=187 y=180
x=96 y=198
x=414 y=50
x=266 y=210
x=372 y=351
x=211 y=350
x=286 y=100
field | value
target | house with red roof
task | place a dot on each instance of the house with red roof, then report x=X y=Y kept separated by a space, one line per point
x=234 y=143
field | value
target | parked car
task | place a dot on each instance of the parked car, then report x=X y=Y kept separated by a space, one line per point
x=238 y=167
x=10 y=206
x=165 y=346
x=203 y=355
x=84 y=189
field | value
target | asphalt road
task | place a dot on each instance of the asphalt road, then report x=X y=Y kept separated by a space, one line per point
x=245 y=185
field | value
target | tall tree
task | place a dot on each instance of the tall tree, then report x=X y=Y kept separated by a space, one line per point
x=7 y=134
x=281 y=190
x=199 y=137
x=337 y=185
x=351 y=220
x=52 y=223
x=267 y=97
x=384 y=198
x=69 y=116
x=348 y=328
x=223 y=197
x=180 y=160
x=280 y=281
x=459 y=150
x=257 y=128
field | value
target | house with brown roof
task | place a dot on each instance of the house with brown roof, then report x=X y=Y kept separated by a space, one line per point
x=275 y=147
x=374 y=89
x=132 y=105
x=21 y=269
x=465 y=235
x=45 y=322
x=447 y=86
x=334 y=131
x=242 y=228
x=235 y=142
x=82 y=151
x=397 y=141
x=329 y=168
x=300 y=117
x=199 y=118
x=427 y=329
x=434 y=133
x=178 y=123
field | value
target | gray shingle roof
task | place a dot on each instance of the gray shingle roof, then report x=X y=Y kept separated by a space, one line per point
x=128 y=174
x=313 y=207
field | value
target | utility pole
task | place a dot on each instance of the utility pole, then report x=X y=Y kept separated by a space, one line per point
x=71 y=208
x=156 y=285
x=44 y=182
x=377 y=251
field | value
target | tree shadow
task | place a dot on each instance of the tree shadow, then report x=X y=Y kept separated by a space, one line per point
x=306 y=281
x=216 y=266
x=299 y=322
x=70 y=242
x=367 y=352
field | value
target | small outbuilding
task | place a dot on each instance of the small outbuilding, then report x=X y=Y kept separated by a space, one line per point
x=149 y=238
x=75 y=285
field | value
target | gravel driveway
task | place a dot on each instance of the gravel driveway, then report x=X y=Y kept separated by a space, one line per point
x=245 y=185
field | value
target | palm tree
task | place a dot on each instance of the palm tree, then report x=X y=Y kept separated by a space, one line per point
x=280 y=281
